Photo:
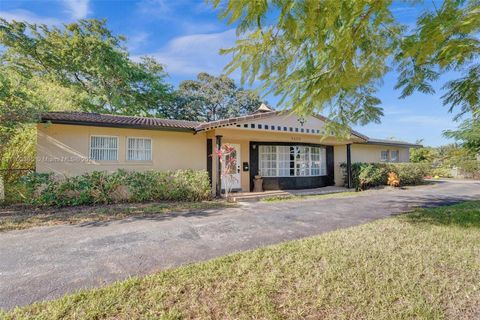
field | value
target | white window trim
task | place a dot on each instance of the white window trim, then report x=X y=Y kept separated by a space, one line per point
x=388 y=156
x=126 y=149
x=321 y=149
x=105 y=136
x=397 y=152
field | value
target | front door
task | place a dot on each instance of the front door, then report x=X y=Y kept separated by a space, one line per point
x=232 y=179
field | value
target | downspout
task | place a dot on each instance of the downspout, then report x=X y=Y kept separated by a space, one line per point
x=349 y=166
x=218 y=189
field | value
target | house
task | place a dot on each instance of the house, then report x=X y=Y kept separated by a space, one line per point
x=287 y=151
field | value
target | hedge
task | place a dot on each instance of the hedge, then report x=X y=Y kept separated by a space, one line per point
x=369 y=175
x=469 y=169
x=98 y=187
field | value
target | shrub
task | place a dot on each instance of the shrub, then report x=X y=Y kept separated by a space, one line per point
x=409 y=173
x=120 y=186
x=441 y=172
x=372 y=175
x=470 y=169
x=368 y=175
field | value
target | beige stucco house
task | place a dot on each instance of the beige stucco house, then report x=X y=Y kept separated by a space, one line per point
x=287 y=151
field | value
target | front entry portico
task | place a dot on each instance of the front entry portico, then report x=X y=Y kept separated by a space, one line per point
x=286 y=152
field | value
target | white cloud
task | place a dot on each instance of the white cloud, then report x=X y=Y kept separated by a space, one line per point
x=196 y=27
x=78 y=9
x=157 y=8
x=27 y=16
x=391 y=110
x=191 y=54
x=137 y=40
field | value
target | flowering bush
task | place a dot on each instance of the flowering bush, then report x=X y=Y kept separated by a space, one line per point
x=120 y=186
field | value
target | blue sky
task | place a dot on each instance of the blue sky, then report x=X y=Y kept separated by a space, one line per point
x=187 y=35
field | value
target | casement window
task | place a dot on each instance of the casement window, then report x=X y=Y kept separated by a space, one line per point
x=292 y=161
x=104 y=148
x=394 y=156
x=139 y=149
x=389 y=156
x=384 y=156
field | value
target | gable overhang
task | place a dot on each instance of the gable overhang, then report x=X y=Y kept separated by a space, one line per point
x=235 y=122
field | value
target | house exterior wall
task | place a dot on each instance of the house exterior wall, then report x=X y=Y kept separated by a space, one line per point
x=364 y=153
x=233 y=135
x=63 y=149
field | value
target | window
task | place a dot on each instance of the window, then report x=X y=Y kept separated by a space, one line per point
x=384 y=156
x=268 y=161
x=139 y=149
x=394 y=156
x=389 y=156
x=292 y=161
x=103 y=148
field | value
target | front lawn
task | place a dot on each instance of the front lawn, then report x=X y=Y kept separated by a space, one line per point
x=424 y=265
x=16 y=218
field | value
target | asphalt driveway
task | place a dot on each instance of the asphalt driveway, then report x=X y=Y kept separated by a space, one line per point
x=47 y=262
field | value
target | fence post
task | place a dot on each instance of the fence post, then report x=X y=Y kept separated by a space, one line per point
x=2 y=190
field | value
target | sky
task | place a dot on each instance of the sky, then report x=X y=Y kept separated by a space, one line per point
x=186 y=36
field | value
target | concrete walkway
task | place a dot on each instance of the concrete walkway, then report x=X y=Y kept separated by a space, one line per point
x=47 y=262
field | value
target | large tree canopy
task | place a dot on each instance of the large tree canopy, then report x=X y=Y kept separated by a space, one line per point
x=80 y=66
x=85 y=61
x=329 y=55
x=211 y=98
x=315 y=54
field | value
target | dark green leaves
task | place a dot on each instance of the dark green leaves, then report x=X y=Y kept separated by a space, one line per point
x=315 y=54
x=329 y=56
x=445 y=39
x=87 y=59
x=211 y=98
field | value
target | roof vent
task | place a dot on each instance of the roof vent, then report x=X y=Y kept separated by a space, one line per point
x=263 y=108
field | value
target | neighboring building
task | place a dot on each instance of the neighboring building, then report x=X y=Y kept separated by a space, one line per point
x=287 y=151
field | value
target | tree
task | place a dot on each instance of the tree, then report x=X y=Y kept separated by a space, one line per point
x=210 y=98
x=328 y=55
x=423 y=155
x=81 y=66
x=468 y=134
x=445 y=39
x=317 y=55
x=83 y=58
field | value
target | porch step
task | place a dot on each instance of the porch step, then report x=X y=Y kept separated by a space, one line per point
x=256 y=196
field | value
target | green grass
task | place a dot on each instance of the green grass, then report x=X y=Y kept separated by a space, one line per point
x=15 y=218
x=311 y=197
x=424 y=265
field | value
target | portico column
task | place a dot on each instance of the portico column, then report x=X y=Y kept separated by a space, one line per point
x=349 y=166
x=218 y=189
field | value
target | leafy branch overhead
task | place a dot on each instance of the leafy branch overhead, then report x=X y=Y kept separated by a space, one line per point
x=317 y=55
x=330 y=56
